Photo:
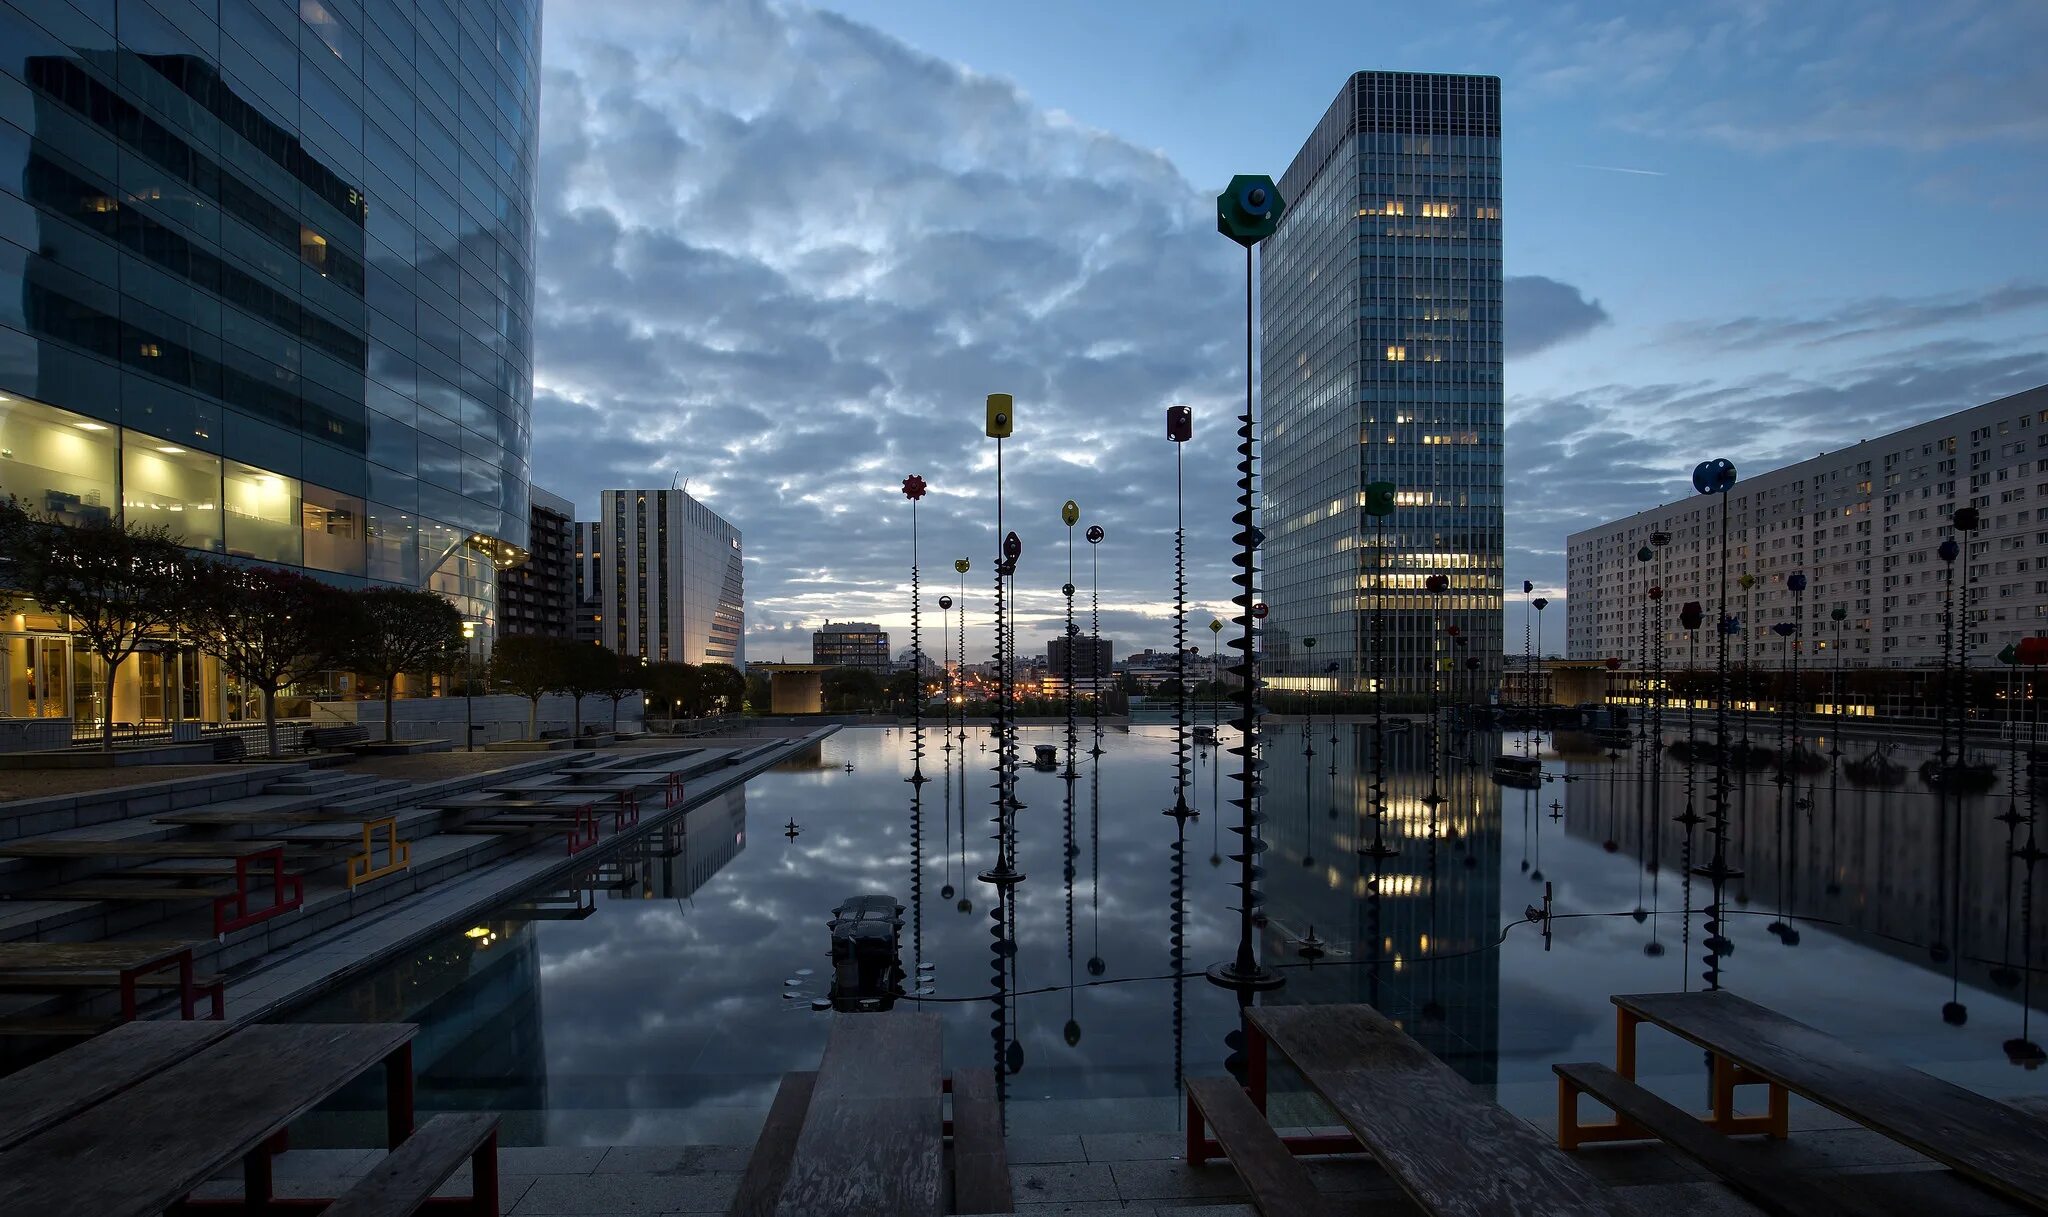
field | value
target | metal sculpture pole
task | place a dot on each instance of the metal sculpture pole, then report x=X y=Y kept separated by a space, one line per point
x=1180 y=428
x=1215 y=674
x=1308 y=701
x=1247 y=212
x=1718 y=477
x=962 y=565
x=913 y=489
x=1004 y=875
x=1966 y=520
x=1095 y=673
x=1070 y=515
x=1437 y=585
x=1528 y=654
x=1838 y=614
x=1379 y=504
x=946 y=671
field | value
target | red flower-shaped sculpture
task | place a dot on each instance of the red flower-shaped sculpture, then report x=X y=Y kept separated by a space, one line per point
x=913 y=487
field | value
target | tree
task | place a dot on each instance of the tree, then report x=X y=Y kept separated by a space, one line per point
x=586 y=669
x=270 y=627
x=626 y=677
x=851 y=689
x=118 y=584
x=531 y=666
x=672 y=683
x=760 y=692
x=723 y=688
x=402 y=630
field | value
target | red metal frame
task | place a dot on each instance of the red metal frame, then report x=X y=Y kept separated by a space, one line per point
x=583 y=834
x=626 y=813
x=1721 y=1116
x=187 y=991
x=674 y=794
x=1201 y=1148
x=289 y=892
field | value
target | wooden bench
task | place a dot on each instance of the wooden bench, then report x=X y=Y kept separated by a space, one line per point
x=872 y=1136
x=59 y=1087
x=1279 y=1185
x=1977 y=1137
x=330 y=739
x=1774 y=1191
x=768 y=1164
x=362 y=867
x=981 y=1161
x=231 y=910
x=402 y=1183
x=1449 y=1148
x=121 y=965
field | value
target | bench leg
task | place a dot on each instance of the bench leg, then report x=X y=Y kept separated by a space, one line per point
x=1198 y=1145
x=483 y=1177
x=1571 y=1133
x=398 y=1102
x=1727 y=1075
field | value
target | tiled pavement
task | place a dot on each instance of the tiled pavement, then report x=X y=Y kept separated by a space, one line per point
x=1141 y=1175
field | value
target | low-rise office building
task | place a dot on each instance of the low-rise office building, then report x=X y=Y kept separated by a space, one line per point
x=851 y=644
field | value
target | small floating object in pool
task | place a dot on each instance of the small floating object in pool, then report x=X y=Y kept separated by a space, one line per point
x=821 y=1003
x=927 y=991
x=803 y=971
x=790 y=996
x=792 y=982
x=849 y=766
x=927 y=967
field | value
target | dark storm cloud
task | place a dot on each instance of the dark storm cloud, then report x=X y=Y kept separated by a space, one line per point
x=1542 y=312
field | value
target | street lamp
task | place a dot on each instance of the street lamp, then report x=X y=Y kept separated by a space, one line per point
x=469 y=685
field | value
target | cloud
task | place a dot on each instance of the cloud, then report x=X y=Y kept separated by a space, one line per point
x=785 y=256
x=1543 y=312
x=1876 y=316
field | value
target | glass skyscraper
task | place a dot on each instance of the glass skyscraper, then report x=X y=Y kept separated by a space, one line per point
x=266 y=277
x=1380 y=361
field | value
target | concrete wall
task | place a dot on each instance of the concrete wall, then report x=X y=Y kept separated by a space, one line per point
x=497 y=716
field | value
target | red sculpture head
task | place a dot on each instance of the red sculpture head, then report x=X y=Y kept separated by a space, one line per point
x=913 y=487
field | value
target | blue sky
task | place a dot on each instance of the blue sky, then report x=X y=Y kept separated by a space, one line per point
x=785 y=249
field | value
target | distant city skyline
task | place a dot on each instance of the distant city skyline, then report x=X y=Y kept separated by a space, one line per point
x=790 y=272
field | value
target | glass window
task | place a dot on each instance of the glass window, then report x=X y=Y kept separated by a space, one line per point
x=57 y=462
x=394 y=552
x=262 y=514
x=165 y=484
x=333 y=527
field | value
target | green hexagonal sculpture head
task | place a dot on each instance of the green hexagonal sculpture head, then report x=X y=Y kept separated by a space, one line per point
x=1249 y=209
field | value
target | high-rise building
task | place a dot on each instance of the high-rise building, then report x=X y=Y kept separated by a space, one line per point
x=1864 y=524
x=537 y=597
x=851 y=644
x=1381 y=362
x=588 y=539
x=670 y=580
x=271 y=273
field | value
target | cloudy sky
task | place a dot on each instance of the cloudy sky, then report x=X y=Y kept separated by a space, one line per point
x=787 y=250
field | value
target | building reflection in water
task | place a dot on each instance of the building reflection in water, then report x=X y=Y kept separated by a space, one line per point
x=476 y=993
x=1412 y=935
x=1925 y=879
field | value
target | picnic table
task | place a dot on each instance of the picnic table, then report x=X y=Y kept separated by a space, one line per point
x=1977 y=1137
x=127 y=1125
x=125 y=966
x=232 y=910
x=1451 y=1150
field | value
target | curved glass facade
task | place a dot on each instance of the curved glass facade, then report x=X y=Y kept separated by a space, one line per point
x=270 y=264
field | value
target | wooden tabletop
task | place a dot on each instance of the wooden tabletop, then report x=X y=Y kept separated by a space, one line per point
x=1989 y=1141
x=59 y=1087
x=144 y=1148
x=871 y=1140
x=99 y=956
x=137 y=849
x=1451 y=1149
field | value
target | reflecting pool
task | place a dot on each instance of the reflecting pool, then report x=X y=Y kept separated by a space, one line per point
x=660 y=997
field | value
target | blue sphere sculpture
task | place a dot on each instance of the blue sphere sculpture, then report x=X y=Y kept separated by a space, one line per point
x=1796 y=581
x=1714 y=477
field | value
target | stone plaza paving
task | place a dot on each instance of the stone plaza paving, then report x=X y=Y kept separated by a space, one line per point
x=1142 y=1175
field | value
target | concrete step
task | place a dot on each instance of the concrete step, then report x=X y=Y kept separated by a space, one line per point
x=324 y=782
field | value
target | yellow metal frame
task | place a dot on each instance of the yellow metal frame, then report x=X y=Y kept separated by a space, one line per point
x=1727 y=1075
x=397 y=854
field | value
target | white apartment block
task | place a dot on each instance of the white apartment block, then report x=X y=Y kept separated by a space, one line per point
x=1863 y=524
x=669 y=578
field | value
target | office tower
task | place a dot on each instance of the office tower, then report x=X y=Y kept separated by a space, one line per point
x=669 y=578
x=852 y=644
x=538 y=596
x=1380 y=361
x=271 y=274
